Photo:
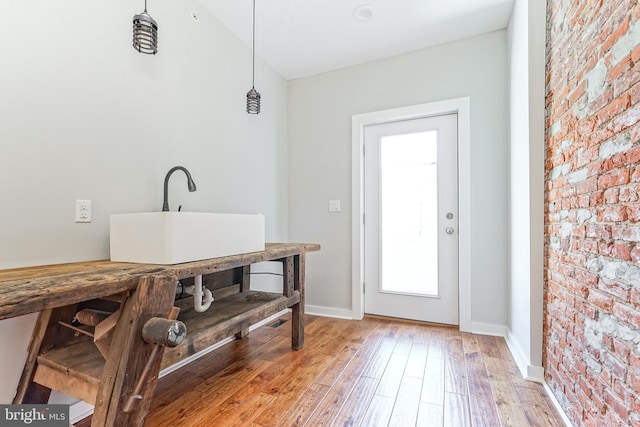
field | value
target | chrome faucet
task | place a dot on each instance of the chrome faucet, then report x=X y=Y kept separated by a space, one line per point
x=190 y=184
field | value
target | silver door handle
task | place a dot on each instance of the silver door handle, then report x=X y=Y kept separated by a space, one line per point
x=449 y=230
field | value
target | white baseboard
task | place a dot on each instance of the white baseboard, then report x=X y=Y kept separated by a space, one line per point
x=555 y=402
x=517 y=353
x=529 y=372
x=338 y=313
x=81 y=410
x=488 y=329
x=535 y=373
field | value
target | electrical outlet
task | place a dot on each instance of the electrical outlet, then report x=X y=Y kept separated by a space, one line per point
x=83 y=210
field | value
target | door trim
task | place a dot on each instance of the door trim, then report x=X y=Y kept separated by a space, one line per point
x=462 y=107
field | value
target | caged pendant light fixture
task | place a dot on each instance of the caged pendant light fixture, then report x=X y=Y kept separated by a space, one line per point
x=145 y=33
x=253 y=96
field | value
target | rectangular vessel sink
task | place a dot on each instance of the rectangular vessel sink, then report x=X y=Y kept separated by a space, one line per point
x=176 y=237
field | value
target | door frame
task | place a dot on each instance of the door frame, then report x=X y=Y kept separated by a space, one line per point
x=460 y=106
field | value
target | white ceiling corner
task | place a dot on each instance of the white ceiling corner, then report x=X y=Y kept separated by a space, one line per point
x=301 y=38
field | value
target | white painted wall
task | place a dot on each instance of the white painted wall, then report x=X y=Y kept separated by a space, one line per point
x=320 y=110
x=85 y=116
x=526 y=189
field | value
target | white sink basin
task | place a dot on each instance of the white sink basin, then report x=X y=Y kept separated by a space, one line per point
x=175 y=237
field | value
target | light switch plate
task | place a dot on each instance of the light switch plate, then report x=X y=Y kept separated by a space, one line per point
x=334 y=205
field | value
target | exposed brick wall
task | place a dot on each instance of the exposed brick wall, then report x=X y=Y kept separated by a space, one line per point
x=592 y=278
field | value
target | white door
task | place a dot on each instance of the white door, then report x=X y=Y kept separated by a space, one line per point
x=411 y=218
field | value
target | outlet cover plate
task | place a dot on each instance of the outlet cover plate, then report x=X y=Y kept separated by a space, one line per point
x=83 y=211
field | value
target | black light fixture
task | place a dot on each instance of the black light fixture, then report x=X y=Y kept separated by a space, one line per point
x=253 y=96
x=145 y=33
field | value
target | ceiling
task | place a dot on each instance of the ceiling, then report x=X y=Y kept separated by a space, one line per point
x=299 y=38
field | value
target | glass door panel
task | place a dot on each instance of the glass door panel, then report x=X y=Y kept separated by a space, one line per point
x=409 y=213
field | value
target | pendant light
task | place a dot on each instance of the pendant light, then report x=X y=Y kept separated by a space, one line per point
x=253 y=96
x=145 y=33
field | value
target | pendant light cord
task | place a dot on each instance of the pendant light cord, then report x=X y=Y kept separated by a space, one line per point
x=253 y=97
x=145 y=6
x=253 y=76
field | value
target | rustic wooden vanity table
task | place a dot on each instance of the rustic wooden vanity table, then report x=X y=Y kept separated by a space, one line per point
x=104 y=359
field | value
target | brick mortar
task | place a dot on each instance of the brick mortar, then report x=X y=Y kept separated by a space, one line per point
x=592 y=210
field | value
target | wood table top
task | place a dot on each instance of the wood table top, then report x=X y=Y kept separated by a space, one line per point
x=32 y=289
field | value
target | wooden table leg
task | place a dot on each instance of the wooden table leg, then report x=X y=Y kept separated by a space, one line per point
x=129 y=353
x=245 y=283
x=46 y=335
x=288 y=276
x=297 y=315
x=245 y=286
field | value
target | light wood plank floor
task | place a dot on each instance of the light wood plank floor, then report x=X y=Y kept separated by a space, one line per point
x=375 y=372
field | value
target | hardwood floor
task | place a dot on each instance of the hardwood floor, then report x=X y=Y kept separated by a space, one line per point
x=375 y=372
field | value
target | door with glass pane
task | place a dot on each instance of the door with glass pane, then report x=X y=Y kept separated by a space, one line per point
x=410 y=221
